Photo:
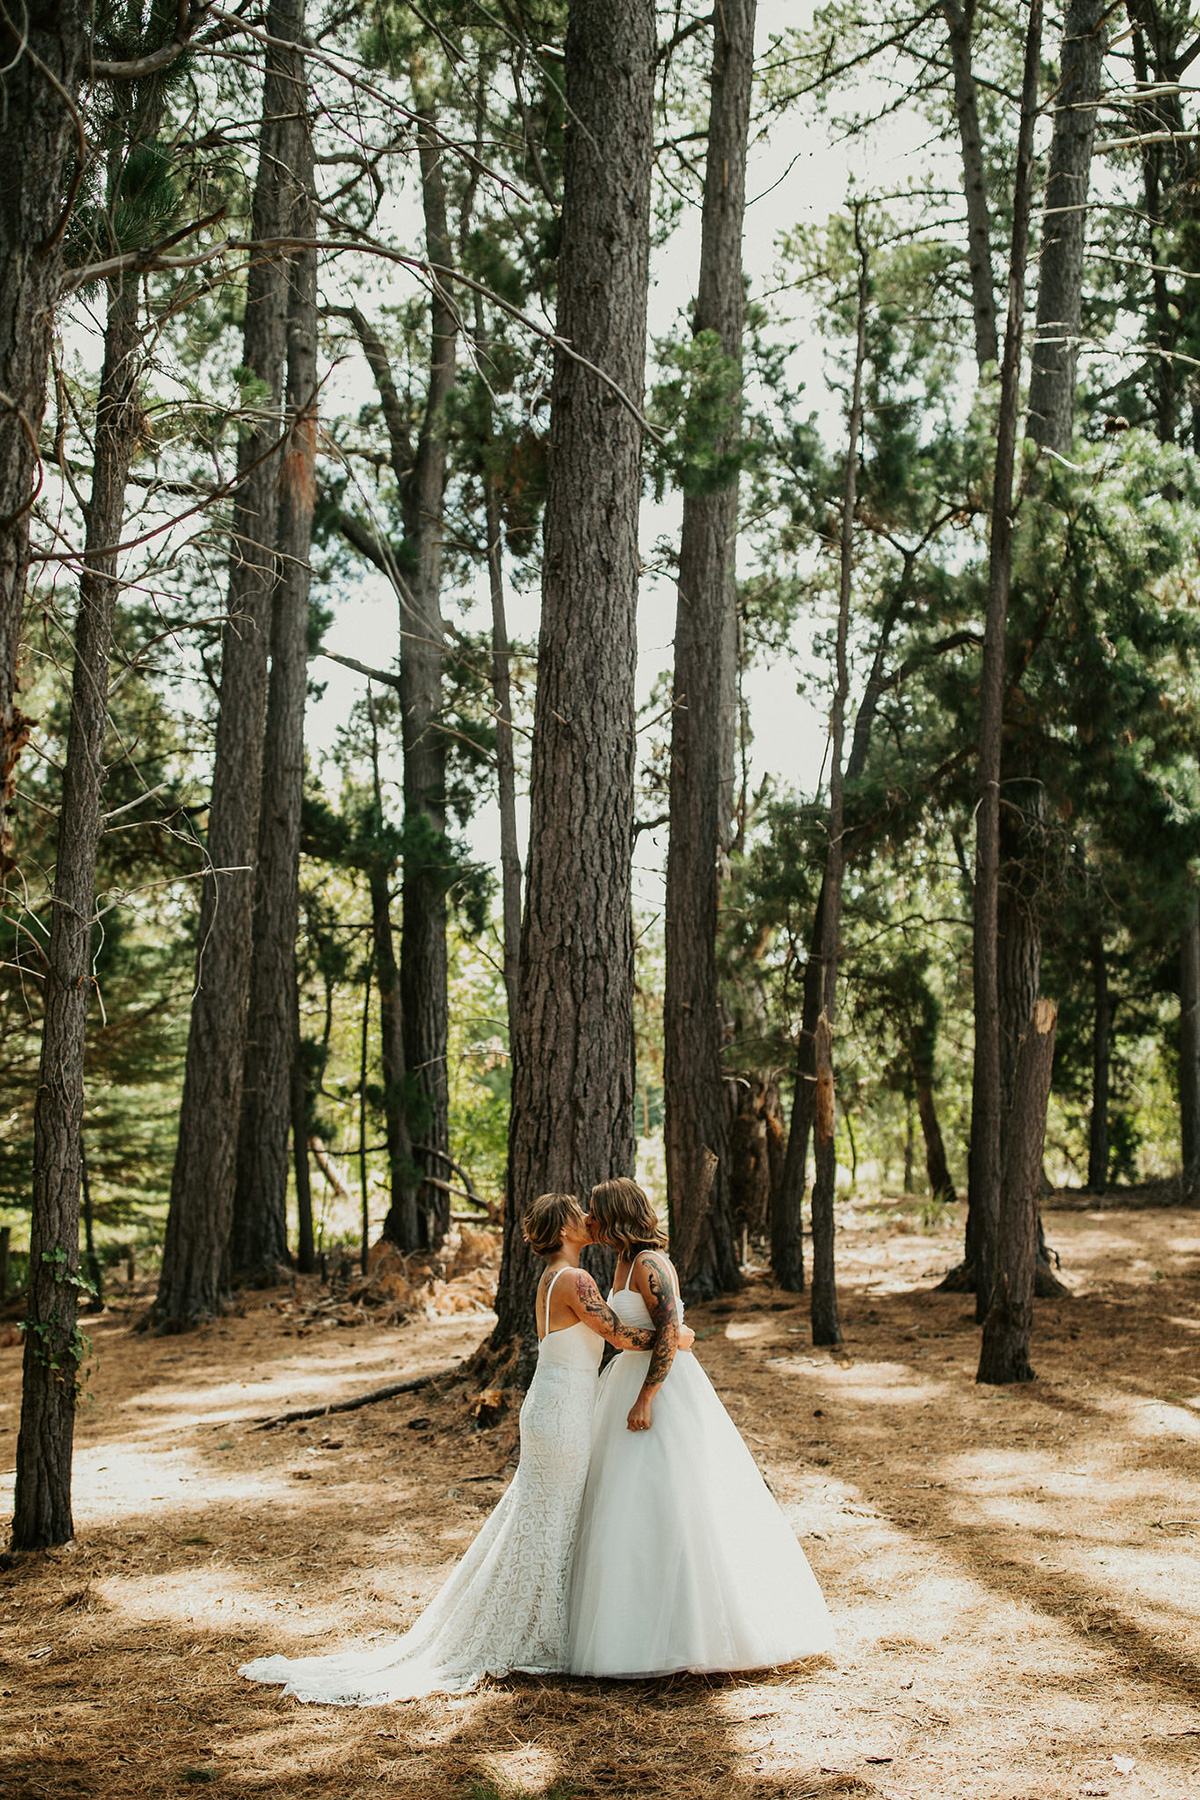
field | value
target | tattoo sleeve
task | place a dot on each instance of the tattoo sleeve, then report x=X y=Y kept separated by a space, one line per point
x=665 y=1312
x=594 y=1311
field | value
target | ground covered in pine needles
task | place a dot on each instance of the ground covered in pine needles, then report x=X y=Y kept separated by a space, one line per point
x=1015 y=1573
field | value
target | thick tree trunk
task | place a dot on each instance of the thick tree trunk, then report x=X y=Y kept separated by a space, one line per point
x=193 y=1279
x=1051 y=416
x=1101 y=1040
x=43 y=52
x=705 y=635
x=1004 y=1353
x=423 y=967
x=1189 y=1047
x=258 y=1243
x=826 y=1326
x=43 y=1489
x=985 y=1155
x=961 y=22
x=573 y=1067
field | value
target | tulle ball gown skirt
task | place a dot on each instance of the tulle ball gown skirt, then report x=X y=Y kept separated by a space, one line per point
x=683 y=1559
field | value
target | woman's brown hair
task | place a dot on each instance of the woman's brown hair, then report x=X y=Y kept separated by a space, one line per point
x=545 y=1218
x=625 y=1217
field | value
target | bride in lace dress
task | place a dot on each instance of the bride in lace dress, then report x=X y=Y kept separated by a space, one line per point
x=504 y=1605
x=683 y=1560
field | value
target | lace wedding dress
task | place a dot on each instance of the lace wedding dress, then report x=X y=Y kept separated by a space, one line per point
x=683 y=1560
x=504 y=1606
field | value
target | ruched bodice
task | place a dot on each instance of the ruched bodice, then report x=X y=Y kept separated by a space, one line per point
x=573 y=1347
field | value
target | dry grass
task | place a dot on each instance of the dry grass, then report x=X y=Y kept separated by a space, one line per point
x=1014 y=1572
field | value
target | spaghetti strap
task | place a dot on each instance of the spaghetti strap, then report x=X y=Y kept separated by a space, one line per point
x=546 y=1303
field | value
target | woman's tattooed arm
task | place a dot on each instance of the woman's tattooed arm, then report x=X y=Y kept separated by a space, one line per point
x=664 y=1310
x=601 y=1318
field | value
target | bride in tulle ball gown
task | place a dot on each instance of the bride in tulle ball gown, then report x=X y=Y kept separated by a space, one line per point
x=682 y=1560
x=504 y=1607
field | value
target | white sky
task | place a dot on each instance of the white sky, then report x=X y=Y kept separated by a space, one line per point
x=798 y=176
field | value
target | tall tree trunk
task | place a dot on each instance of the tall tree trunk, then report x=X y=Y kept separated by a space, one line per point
x=192 y=1284
x=924 y=1056
x=44 y=48
x=306 y=1253
x=1189 y=1047
x=985 y=1154
x=1051 y=415
x=52 y=1347
x=961 y=23
x=423 y=966
x=787 y=1195
x=1004 y=1353
x=826 y=1326
x=823 y=1303
x=258 y=1243
x=506 y=775
x=1018 y=923
x=1097 y=1179
x=705 y=635
x=573 y=1059
x=402 y=1225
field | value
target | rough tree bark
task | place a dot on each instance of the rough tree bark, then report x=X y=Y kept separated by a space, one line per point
x=985 y=1152
x=572 y=1106
x=961 y=23
x=1051 y=414
x=423 y=966
x=43 y=51
x=705 y=633
x=826 y=1326
x=258 y=1240
x=823 y=1303
x=1004 y=1353
x=1097 y=1179
x=1189 y=1047
x=192 y=1283
x=42 y=1513
x=402 y=1226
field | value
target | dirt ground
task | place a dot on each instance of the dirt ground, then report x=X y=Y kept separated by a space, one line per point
x=1014 y=1572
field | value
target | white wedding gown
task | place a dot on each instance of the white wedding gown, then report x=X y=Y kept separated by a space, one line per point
x=683 y=1560
x=504 y=1606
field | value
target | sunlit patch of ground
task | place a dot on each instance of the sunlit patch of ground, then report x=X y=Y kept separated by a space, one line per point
x=1015 y=1573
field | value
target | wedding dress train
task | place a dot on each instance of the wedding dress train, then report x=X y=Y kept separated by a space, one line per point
x=683 y=1560
x=504 y=1607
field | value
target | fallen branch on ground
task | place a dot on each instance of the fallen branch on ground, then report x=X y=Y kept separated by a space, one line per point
x=412 y=1386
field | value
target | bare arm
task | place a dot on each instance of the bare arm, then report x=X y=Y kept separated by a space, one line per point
x=656 y=1287
x=590 y=1307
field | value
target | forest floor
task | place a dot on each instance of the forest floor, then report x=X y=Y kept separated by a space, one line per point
x=1014 y=1573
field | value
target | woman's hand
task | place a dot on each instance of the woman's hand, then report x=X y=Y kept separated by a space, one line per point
x=639 y=1414
x=686 y=1338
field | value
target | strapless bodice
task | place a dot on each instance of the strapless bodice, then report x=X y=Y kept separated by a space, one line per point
x=573 y=1347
